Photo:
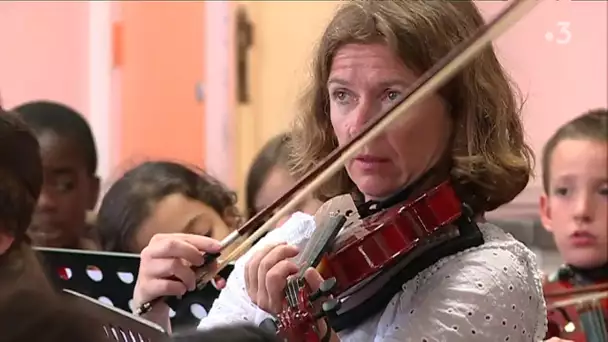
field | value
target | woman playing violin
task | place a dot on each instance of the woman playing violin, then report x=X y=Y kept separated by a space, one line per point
x=469 y=133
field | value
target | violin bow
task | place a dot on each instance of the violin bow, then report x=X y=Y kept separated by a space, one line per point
x=579 y=299
x=582 y=290
x=428 y=83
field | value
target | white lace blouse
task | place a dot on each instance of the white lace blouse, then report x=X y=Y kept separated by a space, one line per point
x=489 y=293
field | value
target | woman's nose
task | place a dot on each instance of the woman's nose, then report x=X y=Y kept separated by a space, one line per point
x=362 y=114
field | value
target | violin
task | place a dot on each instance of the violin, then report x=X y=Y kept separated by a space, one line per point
x=365 y=248
x=575 y=311
x=377 y=242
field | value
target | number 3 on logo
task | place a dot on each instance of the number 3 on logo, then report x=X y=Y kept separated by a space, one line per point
x=564 y=33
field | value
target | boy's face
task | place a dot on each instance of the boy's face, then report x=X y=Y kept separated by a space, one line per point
x=68 y=192
x=575 y=209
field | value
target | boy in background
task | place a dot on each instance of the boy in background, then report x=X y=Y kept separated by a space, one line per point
x=71 y=185
x=574 y=206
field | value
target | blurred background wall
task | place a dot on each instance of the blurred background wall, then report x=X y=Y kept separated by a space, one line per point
x=210 y=82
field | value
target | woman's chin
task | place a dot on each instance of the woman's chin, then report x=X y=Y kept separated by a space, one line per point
x=374 y=190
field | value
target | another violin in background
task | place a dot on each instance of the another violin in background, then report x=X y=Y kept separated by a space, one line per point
x=577 y=307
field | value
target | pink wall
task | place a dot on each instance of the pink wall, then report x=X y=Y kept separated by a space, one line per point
x=559 y=81
x=44 y=52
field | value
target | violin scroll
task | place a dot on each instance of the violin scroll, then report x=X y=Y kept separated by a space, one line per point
x=298 y=320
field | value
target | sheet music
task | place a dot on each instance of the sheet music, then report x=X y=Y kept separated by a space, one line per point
x=110 y=278
x=119 y=325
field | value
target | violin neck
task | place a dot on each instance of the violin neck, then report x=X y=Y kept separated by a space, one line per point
x=322 y=238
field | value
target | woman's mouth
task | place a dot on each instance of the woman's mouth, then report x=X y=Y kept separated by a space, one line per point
x=370 y=162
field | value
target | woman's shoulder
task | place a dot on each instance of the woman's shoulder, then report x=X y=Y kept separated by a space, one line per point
x=500 y=257
x=482 y=289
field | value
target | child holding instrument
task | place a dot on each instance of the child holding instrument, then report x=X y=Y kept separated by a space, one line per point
x=468 y=133
x=574 y=208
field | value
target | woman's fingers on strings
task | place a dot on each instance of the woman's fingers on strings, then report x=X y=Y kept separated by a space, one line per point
x=251 y=270
x=273 y=257
x=276 y=281
x=269 y=260
x=313 y=278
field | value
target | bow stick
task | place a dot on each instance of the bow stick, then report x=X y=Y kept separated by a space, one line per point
x=578 y=300
x=582 y=290
x=428 y=83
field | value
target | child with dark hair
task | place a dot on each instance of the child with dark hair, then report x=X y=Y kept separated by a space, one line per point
x=574 y=205
x=233 y=333
x=269 y=177
x=164 y=197
x=71 y=186
x=30 y=310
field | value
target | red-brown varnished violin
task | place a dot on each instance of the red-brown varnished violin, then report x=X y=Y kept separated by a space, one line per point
x=368 y=246
x=576 y=312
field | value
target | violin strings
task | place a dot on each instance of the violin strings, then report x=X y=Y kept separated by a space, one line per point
x=593 y=324
x=599 y=321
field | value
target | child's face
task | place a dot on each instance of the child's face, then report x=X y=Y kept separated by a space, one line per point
x=575 y=209
x=68 y=192
x=177 y=213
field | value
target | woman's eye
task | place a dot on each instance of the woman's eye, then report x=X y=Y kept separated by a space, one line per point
x=340 y=95
x=392 y=95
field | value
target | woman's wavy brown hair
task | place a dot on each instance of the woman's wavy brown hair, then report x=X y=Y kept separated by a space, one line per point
x=491 y=162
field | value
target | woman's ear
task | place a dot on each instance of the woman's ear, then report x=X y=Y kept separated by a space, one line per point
x=6 y=241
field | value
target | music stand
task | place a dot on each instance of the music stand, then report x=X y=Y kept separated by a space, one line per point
x=110 y=278
x=117 y=324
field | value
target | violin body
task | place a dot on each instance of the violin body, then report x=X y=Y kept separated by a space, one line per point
x=581 y=321
x=381 y=239
x=368 y=246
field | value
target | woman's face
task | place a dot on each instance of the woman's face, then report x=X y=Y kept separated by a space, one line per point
x=367 y=80
x=177 y=213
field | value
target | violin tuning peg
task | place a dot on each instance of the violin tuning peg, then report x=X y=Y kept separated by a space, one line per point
x=331 y=306
x=328 y=285
x=325 y=289
x=269 y=325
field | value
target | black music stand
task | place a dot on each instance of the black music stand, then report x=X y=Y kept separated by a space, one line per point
x=110 y=278
x=117 y=324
